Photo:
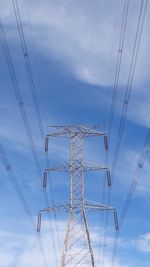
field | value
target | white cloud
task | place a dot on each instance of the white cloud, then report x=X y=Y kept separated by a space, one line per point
x=142 y=242
x=6 y=258
x=80 y=35
x=22 y=249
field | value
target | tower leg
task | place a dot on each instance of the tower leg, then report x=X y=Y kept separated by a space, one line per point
x=77 y=245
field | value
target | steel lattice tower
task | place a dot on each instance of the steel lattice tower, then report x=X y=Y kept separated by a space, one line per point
x=77 y=249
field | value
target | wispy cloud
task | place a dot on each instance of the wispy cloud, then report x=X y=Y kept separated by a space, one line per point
x=23 y=250
x=143 y=242
x=80 y=36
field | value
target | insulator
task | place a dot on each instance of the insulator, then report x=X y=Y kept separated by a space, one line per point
x=116 y=220
x=108 y=177
x=106 y=142
x=39 y=222
x=8 y=168
x=46 y=144
x=140 y=165
x=126 y=102
x=20 y=104
x=45 y=179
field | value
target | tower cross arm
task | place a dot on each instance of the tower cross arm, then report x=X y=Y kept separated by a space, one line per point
x=66 y=131
x=87 y=166
x=96 y=207
x=64 y=207
x=93 y=206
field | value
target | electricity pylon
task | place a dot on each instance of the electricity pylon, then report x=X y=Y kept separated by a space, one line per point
x=77 y=250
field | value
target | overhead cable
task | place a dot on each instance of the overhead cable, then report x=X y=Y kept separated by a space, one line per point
x=140 y=24
x=112 y=110
x=139 y=168
x=16 y=186
x=118 y=66
x=34 y=96
x=137 y=41
x=9 y=61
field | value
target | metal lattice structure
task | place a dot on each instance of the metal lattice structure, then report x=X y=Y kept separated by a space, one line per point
x=77 y=249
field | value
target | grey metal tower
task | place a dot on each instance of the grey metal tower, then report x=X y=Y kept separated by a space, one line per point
x=77 y=249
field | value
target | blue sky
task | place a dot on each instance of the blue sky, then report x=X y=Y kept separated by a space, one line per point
x=73 y=48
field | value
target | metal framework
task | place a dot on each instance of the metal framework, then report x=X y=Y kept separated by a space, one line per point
x=77 y=249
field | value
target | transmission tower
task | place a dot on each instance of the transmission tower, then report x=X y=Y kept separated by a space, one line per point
x=77 y=250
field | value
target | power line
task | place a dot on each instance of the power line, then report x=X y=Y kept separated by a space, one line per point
x=28 y=66
x=104 y=192
x=141 y=17
x=139 y=168
x=140 y=165
x=130 y=79
x=137 y=41
x=34 y=96
x=118 y=66
x=18 y=95
x=16 y=186
x=112 y=109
